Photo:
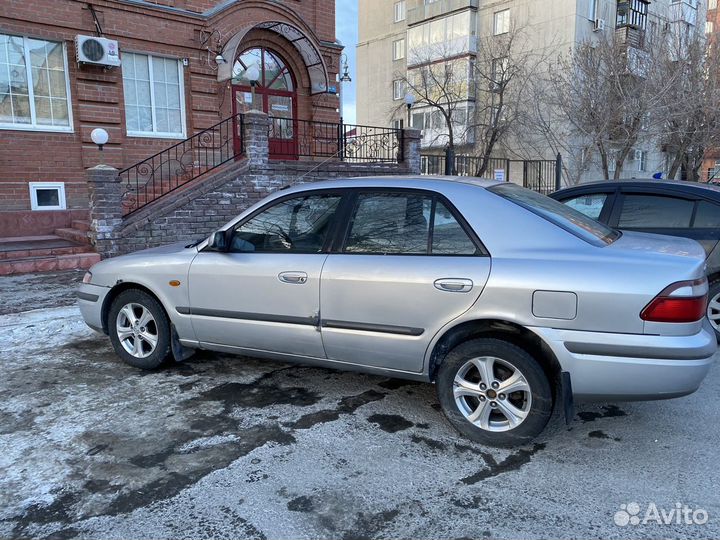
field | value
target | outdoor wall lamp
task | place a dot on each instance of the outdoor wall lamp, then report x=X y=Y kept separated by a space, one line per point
x=346 y=69
x=100 y=137
x=253 y=75
x=220 y=59
x=409 y=102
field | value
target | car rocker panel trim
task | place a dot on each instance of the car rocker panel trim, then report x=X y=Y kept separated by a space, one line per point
x=370 y=327
x=263 y=317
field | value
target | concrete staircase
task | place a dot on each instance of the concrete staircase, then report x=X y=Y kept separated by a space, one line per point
x=66 y=249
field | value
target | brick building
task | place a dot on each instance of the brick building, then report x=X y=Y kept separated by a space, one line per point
x=184 y=67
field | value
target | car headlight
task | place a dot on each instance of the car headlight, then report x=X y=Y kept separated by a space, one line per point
x=87 y=278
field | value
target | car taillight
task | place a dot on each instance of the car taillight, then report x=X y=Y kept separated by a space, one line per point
x=681 y=302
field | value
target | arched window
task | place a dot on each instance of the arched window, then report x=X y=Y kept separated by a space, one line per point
x=274 y=73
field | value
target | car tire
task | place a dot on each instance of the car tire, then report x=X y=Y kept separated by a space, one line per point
x=139 y=329
x=506 y=418
x=713 y=309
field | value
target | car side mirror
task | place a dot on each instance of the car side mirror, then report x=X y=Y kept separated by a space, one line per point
x=218 y=241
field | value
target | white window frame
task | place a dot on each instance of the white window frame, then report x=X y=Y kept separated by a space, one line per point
x=506 y=25
x=712 y=4
x=34 y=126
x=399 y=83
x=399 y=11
x=592 y=10
x=709 y=27
x=398 y=43
x=181 y=80
x=643 y=161
x=35 y=186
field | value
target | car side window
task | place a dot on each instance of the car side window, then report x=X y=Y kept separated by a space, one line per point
x=591 y=204
x=707 y=216
x=640 y=211
x=405 y=224
x=448 y=236
x=300 y=225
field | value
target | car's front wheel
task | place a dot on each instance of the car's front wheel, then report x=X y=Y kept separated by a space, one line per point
x=139 y=329
x=494 y=392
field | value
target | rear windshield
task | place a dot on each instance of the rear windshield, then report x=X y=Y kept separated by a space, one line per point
x=561 y=215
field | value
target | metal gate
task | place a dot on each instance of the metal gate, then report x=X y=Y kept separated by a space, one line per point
x=541 y=175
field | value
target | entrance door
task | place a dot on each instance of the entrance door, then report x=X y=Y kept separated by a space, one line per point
x=274 y=93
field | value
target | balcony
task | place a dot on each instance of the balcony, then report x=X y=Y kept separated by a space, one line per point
x=419 y=11
x=434 y=129
x=630 y=36
x=685 y=11
x=427 y=53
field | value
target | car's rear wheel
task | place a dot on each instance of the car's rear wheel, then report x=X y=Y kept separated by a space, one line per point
x=494 y=392
x=139 y=329
x=713 y=309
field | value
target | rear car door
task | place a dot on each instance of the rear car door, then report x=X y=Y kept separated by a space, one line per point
x=595 y=203
x=405 y=264
x=665 y=212
x=264 y=294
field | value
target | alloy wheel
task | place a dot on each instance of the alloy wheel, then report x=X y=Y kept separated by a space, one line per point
x=492 y=394
x=713 y=312
x=137 y=330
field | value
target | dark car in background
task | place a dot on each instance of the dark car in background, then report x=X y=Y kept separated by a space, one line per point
x=683 y=209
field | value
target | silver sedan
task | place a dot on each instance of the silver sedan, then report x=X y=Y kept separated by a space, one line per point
x=510 y=302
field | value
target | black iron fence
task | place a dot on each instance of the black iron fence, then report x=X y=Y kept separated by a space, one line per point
x=289 y=139
x=462 y=165
x=293 y=139
x=543 y=176
x=181 y=163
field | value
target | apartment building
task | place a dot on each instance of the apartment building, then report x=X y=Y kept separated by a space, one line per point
x=399 y=38
x=710 y=171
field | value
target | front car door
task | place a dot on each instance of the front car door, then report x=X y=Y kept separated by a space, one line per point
x=264 y=294
x=405 y=265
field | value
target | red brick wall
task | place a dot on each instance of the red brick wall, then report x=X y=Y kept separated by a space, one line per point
x=97 y=94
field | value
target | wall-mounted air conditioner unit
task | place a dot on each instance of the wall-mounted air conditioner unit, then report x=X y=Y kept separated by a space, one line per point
x=97 y=51
x=599 y=25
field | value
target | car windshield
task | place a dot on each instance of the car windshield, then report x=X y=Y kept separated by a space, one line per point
x=559 y=214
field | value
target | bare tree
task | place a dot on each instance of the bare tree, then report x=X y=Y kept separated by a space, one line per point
x=472 y=101
x=606 y=97
x=504 y=69
x=440 y=88
x=544 y=129
x=610 y=93
x=689 y=122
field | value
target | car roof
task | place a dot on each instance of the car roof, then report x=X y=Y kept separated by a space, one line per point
x=404 y=181
x=691 y=188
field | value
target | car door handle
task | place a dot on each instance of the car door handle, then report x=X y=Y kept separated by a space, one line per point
x=454 y=284
x=297 y=278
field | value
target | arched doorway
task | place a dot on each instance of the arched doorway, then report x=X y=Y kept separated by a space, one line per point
x=275 y=94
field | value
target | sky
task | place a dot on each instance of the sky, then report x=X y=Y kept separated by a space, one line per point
x=346 y=30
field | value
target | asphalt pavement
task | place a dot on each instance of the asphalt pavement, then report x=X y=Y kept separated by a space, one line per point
x=232 y=447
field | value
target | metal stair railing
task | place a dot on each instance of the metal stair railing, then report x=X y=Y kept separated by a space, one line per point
x=181 y=163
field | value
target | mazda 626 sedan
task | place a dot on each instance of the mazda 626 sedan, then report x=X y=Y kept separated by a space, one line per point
x=509 y=301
